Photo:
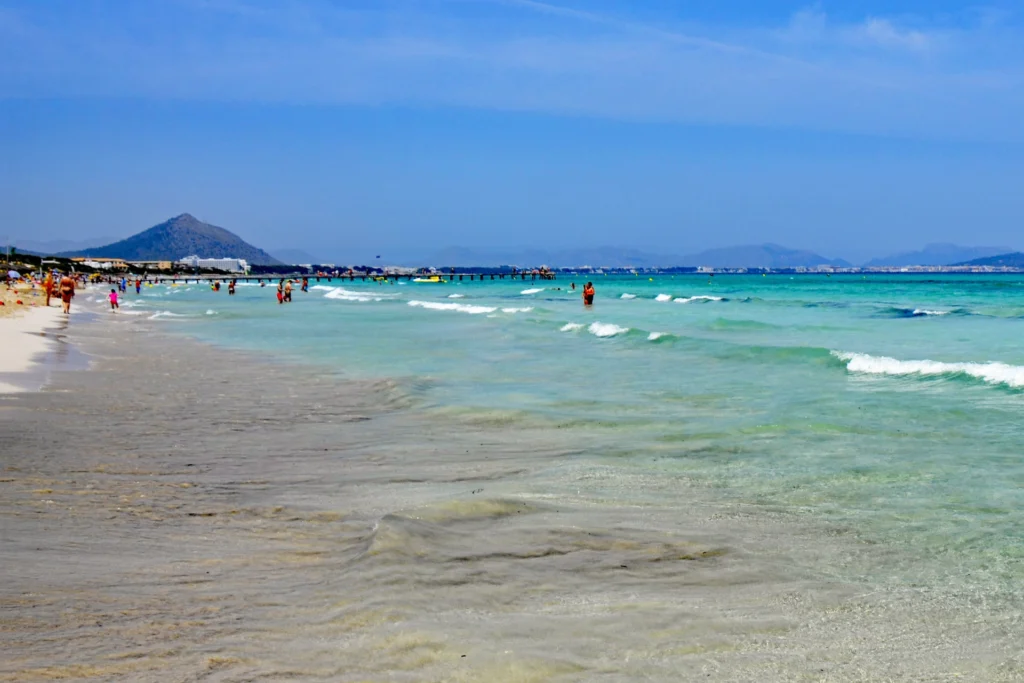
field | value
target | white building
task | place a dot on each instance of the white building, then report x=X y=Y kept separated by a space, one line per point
x=230 y=265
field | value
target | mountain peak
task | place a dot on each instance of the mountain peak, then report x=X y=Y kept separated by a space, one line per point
x=178 y=237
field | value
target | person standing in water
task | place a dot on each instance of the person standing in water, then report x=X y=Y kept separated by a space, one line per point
x=588 y=294
x=280 y=291
x=288 y=291
x=113 y=299
x=231 y=287
x=138 y=285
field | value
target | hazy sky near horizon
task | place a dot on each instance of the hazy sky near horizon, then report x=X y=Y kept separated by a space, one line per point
x=851 y=128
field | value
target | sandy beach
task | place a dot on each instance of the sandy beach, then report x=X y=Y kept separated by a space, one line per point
x=23 y=335
x=181 y=512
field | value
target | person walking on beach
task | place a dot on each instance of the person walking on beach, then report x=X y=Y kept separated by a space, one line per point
x=113 y=299
x=67 y=292
x=588 y=294
x=48 y=288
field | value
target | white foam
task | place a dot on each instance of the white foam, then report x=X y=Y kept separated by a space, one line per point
x=326 y=287
x=925 y=311
x=461 y=308
x=532 y=291
x=663 y=297
x=210 y=311
x=654 y=336
x=571 y=327
x=690 y=300
x=517 y=310
x=456 y=296
x=165 y=314
x=992 y=373
x=606 y=329
x=342 y=294
x=628 y=296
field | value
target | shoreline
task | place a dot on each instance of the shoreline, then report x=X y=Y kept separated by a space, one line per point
x=181 y=511
x=26 y=338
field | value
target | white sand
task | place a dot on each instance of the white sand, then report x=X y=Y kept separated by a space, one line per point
x=22 y=342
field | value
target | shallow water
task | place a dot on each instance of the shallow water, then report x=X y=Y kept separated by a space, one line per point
x=748 y=476
x=890 y=405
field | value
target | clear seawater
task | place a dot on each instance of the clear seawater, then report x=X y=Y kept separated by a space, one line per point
x=886 y=406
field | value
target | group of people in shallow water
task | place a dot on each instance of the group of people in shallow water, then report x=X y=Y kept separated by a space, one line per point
x=66 y=289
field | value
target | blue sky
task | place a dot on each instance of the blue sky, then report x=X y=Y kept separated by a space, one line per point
x=855 y=129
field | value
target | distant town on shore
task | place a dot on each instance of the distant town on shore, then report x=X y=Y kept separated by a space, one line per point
x=185 y=245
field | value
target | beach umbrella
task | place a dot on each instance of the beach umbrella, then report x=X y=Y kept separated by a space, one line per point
x=13 y=274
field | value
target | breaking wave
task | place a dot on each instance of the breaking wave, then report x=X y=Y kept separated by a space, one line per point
x=342 y=294
x=461 y=308
x=606 y=329
x=990 y=373
x=691 y=299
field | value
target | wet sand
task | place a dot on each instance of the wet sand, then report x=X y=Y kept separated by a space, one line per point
x=183 y=513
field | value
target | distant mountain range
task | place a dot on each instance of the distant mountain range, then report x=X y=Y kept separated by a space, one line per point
x=185 y=235
x=937 y=255
x=1012 y=260
x=752 y=256
x=177 y=238
x=761 y=256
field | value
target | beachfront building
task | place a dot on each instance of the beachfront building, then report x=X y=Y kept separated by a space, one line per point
x=102 y=263
x=229 y=265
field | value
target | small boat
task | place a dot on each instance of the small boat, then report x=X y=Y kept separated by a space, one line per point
x=432 y=278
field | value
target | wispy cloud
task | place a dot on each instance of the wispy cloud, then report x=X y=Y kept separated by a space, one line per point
x=878 y=74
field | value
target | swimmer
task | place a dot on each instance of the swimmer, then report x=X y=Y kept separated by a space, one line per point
x=588 y=294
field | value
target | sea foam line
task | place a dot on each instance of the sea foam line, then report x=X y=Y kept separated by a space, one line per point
x=702 y=297
x=991 y=373
x=532 y=291
x=342 y=294
x=461 y=308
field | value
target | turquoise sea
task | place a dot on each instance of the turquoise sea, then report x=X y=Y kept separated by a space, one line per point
x=885 y=409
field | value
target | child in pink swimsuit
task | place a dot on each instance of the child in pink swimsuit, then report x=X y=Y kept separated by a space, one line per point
x=113 y=300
